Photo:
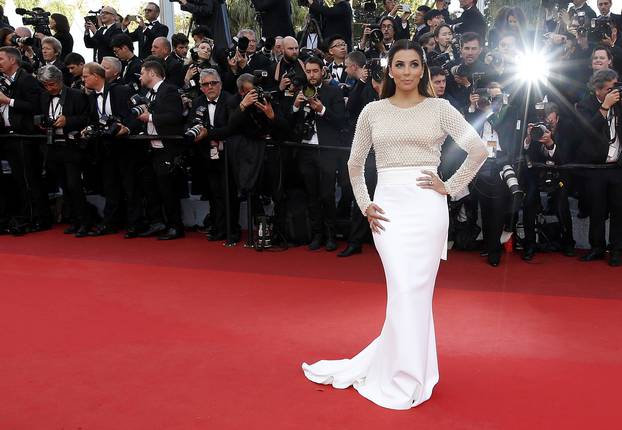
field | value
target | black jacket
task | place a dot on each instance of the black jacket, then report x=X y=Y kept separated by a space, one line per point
x=167 y=111
x=174 y=70
x=66 y=41
x=26 y=92
x=100 y=41
x=335 y=20
x=214 y=15
x=595 y=138
x=220 y=130
x=75 y=108
x=119 y=104
x=566 y=143
x=472 y=20
x=145 y=38
x=131 y=73
x=276 y=17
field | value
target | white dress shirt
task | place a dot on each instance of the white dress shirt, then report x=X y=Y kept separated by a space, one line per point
x=150 y=126
x=5 y=108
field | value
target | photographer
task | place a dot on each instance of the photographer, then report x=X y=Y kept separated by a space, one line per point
x=201 y=59
x=335 y=20
x=123 y=48
x=557 y=145
x=19 y=102
x=391 y=9
x=75 y=63
x=338 y=50
x=180 y=43
x=213 y=106
x=459 y=81
x=174 y=69
x=433 y=19
x=378 y=47
x=147 y=31
x=109 y=114
x=471 y=20
x=289 y=68
x=60 y=25
x=497 y=195
x=113 y=69
x=99 y=38
x=164 y=117
x=214 y=16
x=439 y=83
x=275 y=17
x=421 y=27
x=604 y=7
x=50 y=53
x=255 y=60
x=319 y=120
x=600 y=114
x=63 y=114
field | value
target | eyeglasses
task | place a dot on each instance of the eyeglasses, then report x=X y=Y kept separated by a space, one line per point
x=149 y=10
x=210 y=83
x=339 y=45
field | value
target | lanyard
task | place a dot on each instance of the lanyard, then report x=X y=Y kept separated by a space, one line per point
x=55 y=107
x=104 y=97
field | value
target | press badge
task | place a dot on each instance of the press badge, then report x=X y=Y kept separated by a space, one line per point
x=492 y=146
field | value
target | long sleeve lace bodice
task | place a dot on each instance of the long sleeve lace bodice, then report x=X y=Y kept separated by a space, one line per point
x=405 y=137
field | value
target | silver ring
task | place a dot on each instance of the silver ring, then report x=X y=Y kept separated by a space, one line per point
x=430 y=182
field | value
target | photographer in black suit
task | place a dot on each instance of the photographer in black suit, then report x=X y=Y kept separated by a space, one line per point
x=174 y=69
x=99 y=38
x=600 y=115
x=276 y=17
x=471 y=19
x=402 y=27
x=19 y=102
x=213 y=15
x=148 y=29
x=335 y=20
x=164 y=117
x=557 y=145
x=210 y=146
x=319 y=120
x=66 y=113
x=108 y=103
x=123 y=48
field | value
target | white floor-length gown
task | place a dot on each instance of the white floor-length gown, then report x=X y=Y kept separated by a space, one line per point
x=399 y=369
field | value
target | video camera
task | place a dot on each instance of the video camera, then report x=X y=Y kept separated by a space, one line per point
x=92 y=16
x=37 y=17
x=140 y=104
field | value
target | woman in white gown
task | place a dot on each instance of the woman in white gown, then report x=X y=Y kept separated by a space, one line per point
x=409 y=221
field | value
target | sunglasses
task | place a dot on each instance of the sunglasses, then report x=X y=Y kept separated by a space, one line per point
x=210 y=83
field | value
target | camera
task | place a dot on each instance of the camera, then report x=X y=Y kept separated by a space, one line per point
x=508 y=175
x=37 y=17
x=140 y=104
x=298 y=78
x=461 y=70
x=239 y=45
x=366 y=12
x=16 y=40
x=496 y=58
x=376 y=68
x=107 y=126
x=267 y=45
x=260 y=78
x=92 y=17
x=43 y=121
x=5 y=84
x=199 y=122
x=376 y=36
x=538 y=130
x=445 y=60
x=600 y=29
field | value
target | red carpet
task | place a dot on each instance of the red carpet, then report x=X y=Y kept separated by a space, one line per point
x=106 y=333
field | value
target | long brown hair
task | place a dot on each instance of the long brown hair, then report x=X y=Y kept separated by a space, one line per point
x=425 y=84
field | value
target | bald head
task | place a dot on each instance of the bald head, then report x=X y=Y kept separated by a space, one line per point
x=161 y=47
x=290 y=48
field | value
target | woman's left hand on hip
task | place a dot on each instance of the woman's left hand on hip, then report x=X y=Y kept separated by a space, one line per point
x=431 y=181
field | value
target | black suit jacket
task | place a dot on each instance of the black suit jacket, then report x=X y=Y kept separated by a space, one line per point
x=472 y=20
x=330 y=126
x=174 y=71
x=26 y=92
x=119 y=104
x=214 y=15
x=167 y=112
x=75 y=108
x=335 y=20
x=275 y=17
x=595 y=138
x=131 y=73
x=100 y=41
x=145 y=38
x=220 y=130
x=566 y=142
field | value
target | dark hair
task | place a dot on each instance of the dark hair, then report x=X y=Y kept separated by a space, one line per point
x=121 y=40
x=357 y=57
x=74 y=58
x=201 y=29
x=154 y=66
x=424 y=38
x=440 y=27
x=315 y=60
x=14 y=53
x=388 y=18
x=4 y=32
x=179 y=39
x=62 y=23
x=602 y=48
x=435 y=71
x=424 y=9
x=388 y=85
x=431 y=14
x=470 y=37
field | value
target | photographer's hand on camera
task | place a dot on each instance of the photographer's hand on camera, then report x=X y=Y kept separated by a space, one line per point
x=90 y=27
x=284 y=84
x=366 y=33
x=266 y=109
x=611 y=99
x=299 y=100
x=473 y=99
x=547 y=140
x=249 y=100
x=144 y=117
x=316 y=105
x=60 y=122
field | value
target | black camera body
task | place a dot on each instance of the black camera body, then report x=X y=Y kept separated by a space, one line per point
x=239 y=45
x=297 y=78
x=140 y=104
x=43 y=121
x=376 y=36
x=107 y=126
x=599 y=29
x=199 y=122
x=5 y=84
x=260 y=79
x=38 y=18
x=375 y=68
x=366 y=12
x=538 y=130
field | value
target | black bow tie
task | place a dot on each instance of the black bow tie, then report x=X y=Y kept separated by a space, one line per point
x=338 y=66
x=99 y=94
x=212 y=102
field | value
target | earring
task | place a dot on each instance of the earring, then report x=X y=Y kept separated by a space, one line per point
x=421 y=77
x=390 y=76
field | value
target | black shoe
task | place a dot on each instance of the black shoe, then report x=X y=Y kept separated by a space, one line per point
x=102 y=230
x=568 y=251
x=72 y=229
x=614 y=259
x=529 y=253
x=39 y=226
x=216 y=237
x=316 y=243
x=483 y=253
x=171 y=233
x=83 y=231
x=594 y=254
x=132 y=232
x=350 y=250
x=331 y=244
x=494 y=258
x=153 y=230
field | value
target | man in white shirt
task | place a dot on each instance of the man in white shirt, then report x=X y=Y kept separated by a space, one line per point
x=99 y=38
